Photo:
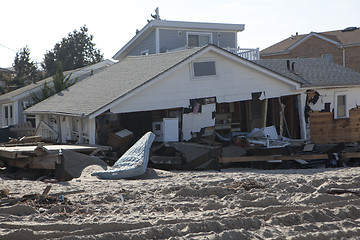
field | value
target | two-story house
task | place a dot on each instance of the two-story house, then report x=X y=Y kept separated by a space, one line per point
x=340 y=46
x=160 y=36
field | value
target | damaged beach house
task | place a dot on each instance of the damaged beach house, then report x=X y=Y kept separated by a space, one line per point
x=185 y=81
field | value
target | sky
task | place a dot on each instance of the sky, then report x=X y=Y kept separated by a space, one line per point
x=40 y=24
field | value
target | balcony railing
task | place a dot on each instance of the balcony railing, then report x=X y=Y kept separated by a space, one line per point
x=247 y=53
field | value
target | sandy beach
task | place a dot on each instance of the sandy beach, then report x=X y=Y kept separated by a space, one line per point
x=226 y=204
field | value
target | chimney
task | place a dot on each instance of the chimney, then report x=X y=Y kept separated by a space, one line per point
x=293 y=66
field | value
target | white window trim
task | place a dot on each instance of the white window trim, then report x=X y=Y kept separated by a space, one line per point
x=199 y=34
x=204 y=77
x=11 y=120
x=336 y=105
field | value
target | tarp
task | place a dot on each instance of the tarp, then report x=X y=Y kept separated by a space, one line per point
x=132 y=163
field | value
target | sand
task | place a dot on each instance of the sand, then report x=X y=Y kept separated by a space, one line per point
x=231 y=204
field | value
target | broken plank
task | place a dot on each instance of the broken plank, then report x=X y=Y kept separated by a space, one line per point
x=40 y=162
x=272 y=157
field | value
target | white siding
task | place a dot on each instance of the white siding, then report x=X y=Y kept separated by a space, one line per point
x=329 y=96
x=234 y=82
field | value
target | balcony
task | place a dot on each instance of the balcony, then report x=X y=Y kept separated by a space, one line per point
x=247 y=53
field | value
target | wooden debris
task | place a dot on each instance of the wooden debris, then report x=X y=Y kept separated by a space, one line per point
x=7 y=202
x=341 y=191
x=273 y=157
x=4 y=192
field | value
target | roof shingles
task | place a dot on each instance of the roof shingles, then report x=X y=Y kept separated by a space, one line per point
x=98 y=91
x=313 y=71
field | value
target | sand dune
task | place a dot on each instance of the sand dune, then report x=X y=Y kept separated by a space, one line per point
x=231 y=204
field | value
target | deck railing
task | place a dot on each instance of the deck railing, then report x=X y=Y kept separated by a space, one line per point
x=247 y=53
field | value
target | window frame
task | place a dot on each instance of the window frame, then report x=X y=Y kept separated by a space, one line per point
x=209 y=34
x=336 y=108
x=204 y=76
x=328 y=56
x=8 y=114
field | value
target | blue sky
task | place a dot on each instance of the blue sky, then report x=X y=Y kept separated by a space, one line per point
x=40 y=24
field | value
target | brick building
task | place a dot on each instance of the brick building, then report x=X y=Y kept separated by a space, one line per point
x=341 y=46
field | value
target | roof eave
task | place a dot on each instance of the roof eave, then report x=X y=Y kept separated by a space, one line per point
x=274 y=53
x=199 y=25
x=177 y=25
x=53 y=113
x=314 y=86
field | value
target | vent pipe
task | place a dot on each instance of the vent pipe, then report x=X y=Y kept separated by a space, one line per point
x=288 y=65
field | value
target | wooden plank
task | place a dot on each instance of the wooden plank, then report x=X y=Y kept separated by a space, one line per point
x=273 y=157
x=351 y=155
x=40 y=162
x=22 y=129
x=16 y=151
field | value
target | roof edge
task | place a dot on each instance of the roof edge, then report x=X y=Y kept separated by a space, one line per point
x=180 y=25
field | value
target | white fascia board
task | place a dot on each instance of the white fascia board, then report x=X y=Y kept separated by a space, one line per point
x=52 y=113
x=328 y=87
x=199 y=25
x=351 y=44
x=310 y=35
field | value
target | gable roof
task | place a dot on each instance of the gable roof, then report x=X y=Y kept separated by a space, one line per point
x=145 y=31
x=98 y=93
x=80 y=73
x=343 y=38
x=313 y=72
x=103 y=88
